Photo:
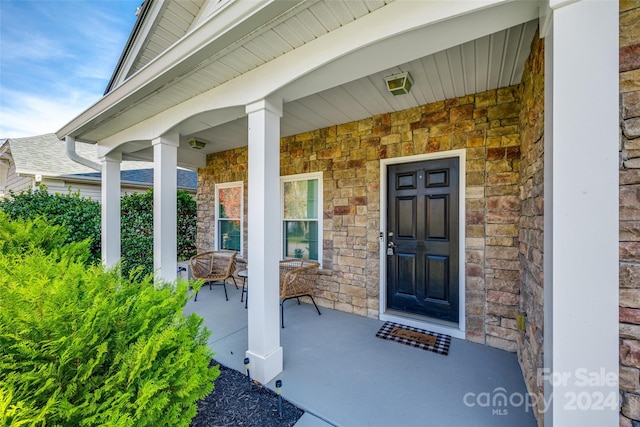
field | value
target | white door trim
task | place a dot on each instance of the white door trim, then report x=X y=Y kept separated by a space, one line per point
x=456 y=332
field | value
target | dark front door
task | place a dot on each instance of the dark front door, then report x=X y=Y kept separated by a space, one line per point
x=423 y=238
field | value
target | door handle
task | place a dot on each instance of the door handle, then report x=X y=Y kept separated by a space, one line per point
x=391 y=245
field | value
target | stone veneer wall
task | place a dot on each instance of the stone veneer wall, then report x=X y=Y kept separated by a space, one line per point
x=504 y=232
x=630 y=212
x=486 y=125
x=531 y=222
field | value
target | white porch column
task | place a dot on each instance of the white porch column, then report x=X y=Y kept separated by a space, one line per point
x=581 y=214
x=265 y=352
x=165 y=224
x=110 y=197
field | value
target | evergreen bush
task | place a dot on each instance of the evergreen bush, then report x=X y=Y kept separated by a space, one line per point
x=81 y=346
x=137 y=230
x=79 y=215
x=187 y=220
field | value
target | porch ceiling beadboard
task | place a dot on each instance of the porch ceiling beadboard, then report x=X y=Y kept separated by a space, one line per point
x=489 y=62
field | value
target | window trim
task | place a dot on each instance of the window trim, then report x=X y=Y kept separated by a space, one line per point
x=216 y=227
x=320 y=219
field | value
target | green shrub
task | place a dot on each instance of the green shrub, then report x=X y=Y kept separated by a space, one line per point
x=79 y=215
x=187 y=216
x=81 y=346
x=137 y=230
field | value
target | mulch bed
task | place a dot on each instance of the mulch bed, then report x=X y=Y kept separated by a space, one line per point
x=234 y=402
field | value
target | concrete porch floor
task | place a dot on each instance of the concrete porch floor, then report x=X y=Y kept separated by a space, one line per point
x=340 y=374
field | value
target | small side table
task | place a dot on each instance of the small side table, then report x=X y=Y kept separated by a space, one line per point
x=244 y=274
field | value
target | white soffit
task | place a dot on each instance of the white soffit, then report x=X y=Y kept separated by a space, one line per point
x=492 y=61
x=302 y=24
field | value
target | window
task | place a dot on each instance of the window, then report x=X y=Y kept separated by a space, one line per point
x=301 y=214
x=229 y=216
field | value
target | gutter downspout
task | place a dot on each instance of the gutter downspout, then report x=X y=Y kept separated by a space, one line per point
x=71 y=152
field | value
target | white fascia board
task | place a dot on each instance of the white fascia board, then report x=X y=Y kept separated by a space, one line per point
x=232 y=23
x=32 y=174
x=343 y=53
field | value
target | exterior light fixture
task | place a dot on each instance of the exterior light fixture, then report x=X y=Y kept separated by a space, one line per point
x=246 y=367
x=196 y=143
x=278 y=392
x=399 y=84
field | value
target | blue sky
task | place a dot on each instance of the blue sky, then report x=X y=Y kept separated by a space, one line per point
x=56 y=59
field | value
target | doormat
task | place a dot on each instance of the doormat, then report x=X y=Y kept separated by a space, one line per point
x=426 y=340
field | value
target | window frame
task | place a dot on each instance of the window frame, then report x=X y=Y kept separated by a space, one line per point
x=216 y=237
x=320 y=206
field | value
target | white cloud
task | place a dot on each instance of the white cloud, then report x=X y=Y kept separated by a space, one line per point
x=36 y=115
x=53 y=69
x=32 y=48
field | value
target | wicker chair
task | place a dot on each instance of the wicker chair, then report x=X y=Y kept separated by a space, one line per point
x=214 y=268
x=297 y=279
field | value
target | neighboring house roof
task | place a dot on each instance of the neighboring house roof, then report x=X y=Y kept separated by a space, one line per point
x=46 y=155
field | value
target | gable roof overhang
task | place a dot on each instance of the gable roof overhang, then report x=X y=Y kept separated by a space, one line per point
x=131 y=48
x=160 y=24
x=200 y=85
x=5 y=163
x=5 y=153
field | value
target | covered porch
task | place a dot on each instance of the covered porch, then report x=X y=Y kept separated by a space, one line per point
x=277 y=70
x=339 y=373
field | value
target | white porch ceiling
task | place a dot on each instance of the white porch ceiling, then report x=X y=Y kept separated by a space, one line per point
x=487 y=63
x=347 y=89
